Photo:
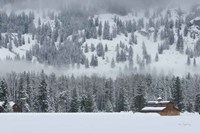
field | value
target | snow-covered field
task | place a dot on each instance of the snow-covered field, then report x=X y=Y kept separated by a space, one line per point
x=98 y=123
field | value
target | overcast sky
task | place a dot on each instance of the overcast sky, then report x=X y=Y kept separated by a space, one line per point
x=106 y=4
x=125 y=3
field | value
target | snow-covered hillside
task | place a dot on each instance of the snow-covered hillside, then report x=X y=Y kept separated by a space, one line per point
x=99 y=123
x=170 y=61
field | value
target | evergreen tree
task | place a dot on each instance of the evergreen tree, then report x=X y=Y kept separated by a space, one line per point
x=171 y=38
x=86 y=48
x=29 y=90
x=155 y=35
x=130 y=51
x=92 y=47
x=185 y=31
x=194 y=63
x=33 y=36
x=43 y=95
x=96 y=21
x=118 y=56
x=23 y=40
x=180 y=44
x=100 y=50
x=177 y=93
x=188 y=60
x=109 y=107
x=100 y=30
x=19 y=39
x=10 y=46
x=89 y=103
x=123 y=56
x=113 y=63
x=144 y=50
x=106 y=48
x=16 y=42
x=139 y=100
x=157 y=58
x=29 y=41
x=82 y=103
x=22 y=98
x=94 y=61
x=87 y=63
x=189 y=107
x=123 y=104
x=160 y=49
x=114 y=33
x=74 y=106
x=39 y=22
x=6 y=41
x=197 y=48
x=4 y=95
x=3 y=91
x=106 y=31
x=197 y=103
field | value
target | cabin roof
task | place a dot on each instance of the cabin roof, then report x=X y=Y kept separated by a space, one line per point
x=153 y=108
x=1 y=103
x=11 y=103
x=157 y=102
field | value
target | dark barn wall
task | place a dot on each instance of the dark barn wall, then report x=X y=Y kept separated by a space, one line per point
x=16 y=108
x=1 y=109
x=170 y=110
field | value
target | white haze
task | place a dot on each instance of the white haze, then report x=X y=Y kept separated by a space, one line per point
x=24 y=66
x=102 y=4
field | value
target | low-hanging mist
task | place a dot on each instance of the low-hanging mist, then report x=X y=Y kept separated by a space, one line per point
x=115 y=6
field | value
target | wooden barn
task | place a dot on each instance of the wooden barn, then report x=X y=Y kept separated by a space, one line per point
x=16 y=108
x=164 y=108
x=13 y=107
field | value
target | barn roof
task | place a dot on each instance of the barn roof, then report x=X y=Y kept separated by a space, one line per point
x=11 y=103
x=153 y=108
x=1 y=103
x=157 y=102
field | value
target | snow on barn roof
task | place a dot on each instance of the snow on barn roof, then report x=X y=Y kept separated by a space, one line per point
x=11 y=103
x=153 y=108
x=1 y=103
x=157 y=102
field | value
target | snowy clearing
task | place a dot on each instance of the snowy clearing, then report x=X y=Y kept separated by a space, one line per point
x=98 y=123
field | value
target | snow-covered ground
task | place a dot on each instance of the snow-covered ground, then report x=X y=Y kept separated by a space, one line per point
x=98 y=123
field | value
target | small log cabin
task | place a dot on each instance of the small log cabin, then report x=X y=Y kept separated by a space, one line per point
x=164 y=108
x=13 y=107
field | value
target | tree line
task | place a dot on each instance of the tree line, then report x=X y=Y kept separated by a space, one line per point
x=38 y=92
